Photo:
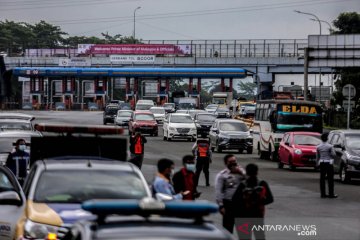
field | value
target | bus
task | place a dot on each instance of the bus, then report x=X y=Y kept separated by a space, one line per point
x=275 y=117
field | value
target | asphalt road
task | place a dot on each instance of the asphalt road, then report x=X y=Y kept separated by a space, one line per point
x=296 y=193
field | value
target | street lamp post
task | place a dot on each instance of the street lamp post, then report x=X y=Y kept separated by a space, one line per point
x=317 y=19
x=330 y=28
x=134 y=22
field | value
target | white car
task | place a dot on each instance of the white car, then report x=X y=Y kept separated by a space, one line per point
x=211 y=108
x=159 y=113
x=179 y=125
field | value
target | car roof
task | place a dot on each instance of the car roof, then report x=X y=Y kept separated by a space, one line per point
x=125 y=110
x=143 y=112
x=228 y=120
x=74 y=162
x=347 y=131
x=157 y=108
x=305 y=133
x=179 y=114
x=20 y=133
x=160 y=228
x=18 y=116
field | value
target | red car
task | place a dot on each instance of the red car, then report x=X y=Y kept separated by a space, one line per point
x=144 y=122
x=298 y=149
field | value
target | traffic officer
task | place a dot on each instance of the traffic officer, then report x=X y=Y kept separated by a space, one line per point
x=325 y=154
x=226 y=184
x=137 y=142
x=18 y=161
x=201 y=150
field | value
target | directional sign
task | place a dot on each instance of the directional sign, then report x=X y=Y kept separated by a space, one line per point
x=346 y=104
x=349 y=91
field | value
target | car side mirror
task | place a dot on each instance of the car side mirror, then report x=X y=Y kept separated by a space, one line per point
x=10 y=198
x=287 y=144
x=338 y=146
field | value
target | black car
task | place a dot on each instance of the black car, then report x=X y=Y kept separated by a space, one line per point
x=148 y=219
x=110 y=113
x=347 y=147
x=203 y=122
x=230 y=134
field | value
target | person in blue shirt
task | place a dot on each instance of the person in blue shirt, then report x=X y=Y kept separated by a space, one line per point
x=162 y=182
x=18 y=161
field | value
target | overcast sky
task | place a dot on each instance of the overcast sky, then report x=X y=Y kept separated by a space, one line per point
x=181 y=19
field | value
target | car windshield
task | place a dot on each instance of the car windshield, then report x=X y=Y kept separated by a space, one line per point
x=76 y=186
x=353 y=141
x=212 y=106
x=144 y=117
x=222 y=110
x=124 y=114
x=307 y=140
x=181 y=119
x=233 y=126
x=193 y=113
x=111 y=111
x=143 y=107
x=157 y=110
x=206 y=117
x=12 y=125
x=167 y=105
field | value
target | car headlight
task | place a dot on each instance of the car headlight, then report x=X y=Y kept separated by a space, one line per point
x=249 y=140
x=35 y=230
x=298 y=151
x=198 y=125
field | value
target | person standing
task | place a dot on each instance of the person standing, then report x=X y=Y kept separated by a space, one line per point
x=137 y=142
x=226 y=183
x=185 y=179
x=162 y=182
x=325 y=154
x=202 y=152
x=249 y=201
x=18 y=161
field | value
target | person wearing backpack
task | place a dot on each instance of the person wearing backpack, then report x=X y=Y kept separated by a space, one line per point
x=249 y=200
x=137 y=142
x=202 y=152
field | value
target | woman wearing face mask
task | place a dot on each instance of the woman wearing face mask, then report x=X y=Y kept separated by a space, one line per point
x=185 y=179
x=162 y=182
x=18 y=161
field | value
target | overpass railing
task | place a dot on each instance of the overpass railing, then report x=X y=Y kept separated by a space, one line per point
x=207 y=48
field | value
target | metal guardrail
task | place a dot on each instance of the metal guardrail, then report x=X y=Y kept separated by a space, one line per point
x=222 y=48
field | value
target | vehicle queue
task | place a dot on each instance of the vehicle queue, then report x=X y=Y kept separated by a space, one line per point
x=61 y=222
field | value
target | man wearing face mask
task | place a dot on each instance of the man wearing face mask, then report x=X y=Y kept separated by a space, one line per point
x=18 y=161
x=162 y=182
x=185 y=179
x=226 y=183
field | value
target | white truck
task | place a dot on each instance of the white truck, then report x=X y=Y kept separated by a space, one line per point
x=223 y=99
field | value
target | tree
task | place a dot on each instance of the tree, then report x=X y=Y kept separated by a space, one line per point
x=347 y=23
x=47 y=35
x=14 y=37
x=247 y=90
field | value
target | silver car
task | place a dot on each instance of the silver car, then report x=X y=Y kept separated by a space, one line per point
x=122 y=117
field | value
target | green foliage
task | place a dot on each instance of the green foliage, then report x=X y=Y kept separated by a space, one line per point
x=347 y=23
x=16 y=37
x=247 y=90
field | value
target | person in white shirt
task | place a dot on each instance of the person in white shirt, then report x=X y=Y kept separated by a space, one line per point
x=325 y=154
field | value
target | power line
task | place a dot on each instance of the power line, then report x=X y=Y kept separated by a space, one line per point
x=64 y=4
x=198 y=13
